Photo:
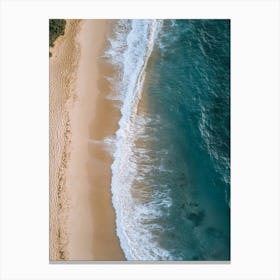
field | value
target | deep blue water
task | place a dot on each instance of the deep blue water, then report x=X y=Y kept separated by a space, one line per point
x=173 y=201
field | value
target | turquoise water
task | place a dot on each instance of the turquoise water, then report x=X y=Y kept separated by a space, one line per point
x=171 y=170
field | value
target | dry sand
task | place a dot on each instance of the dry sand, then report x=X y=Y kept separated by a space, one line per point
x=82 y=219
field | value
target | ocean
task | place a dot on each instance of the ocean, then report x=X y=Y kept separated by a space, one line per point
x=171 y=153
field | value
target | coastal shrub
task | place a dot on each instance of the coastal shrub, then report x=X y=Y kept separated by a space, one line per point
x=56 y=28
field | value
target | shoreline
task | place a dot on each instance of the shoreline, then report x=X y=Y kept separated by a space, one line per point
x=88 y=217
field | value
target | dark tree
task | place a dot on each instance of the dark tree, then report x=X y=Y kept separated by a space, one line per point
x=56 y=29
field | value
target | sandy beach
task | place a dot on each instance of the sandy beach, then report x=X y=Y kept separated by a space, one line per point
x=82 y=219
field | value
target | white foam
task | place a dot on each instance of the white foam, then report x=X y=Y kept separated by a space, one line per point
x=131 y=45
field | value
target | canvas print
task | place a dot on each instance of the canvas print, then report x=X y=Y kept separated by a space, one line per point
x=139 y=140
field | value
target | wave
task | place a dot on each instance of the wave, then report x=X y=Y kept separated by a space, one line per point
x=130 y=47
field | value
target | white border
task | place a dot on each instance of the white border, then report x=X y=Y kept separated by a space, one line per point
x=255 y=138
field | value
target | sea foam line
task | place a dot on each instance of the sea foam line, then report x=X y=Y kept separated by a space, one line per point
x=130 y=51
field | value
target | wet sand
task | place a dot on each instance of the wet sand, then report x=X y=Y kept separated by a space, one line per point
x=82 y=219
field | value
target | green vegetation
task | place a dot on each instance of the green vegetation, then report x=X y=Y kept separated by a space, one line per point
x=56 y=28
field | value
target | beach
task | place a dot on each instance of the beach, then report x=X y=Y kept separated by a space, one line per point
x=140 y=140
x=82 y=218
